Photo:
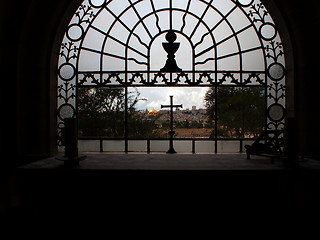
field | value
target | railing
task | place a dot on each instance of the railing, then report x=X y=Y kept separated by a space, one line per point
x=149 y=145
x=165 y=79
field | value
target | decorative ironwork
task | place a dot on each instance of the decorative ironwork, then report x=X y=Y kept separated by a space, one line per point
x=229 y=43
x=162 y=79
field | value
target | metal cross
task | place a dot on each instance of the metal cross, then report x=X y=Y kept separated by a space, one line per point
x=171 y=132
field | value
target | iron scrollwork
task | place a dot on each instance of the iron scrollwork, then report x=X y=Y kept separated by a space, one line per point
x=126 y=36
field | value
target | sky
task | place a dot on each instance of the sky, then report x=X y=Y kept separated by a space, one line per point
x=155 y=96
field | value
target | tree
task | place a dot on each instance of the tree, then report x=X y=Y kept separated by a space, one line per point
x=101 y=111
x=240 y=111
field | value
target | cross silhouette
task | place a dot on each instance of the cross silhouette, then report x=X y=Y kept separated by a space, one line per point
x=171 y=132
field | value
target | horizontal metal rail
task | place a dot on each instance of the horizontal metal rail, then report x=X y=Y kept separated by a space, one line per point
x=148 y=141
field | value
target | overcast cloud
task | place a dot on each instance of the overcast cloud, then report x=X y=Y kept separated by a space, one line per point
x=187 y=96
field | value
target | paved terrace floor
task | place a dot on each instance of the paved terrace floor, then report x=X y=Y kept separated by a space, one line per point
x=155 y=186
x=162 y=161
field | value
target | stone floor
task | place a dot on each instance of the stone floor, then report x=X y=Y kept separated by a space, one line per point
x=155 y=186
x=161 y=161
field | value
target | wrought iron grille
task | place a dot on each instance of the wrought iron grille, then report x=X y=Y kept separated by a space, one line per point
x=221 y=43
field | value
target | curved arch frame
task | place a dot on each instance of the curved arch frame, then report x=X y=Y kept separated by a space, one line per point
x=255 y=12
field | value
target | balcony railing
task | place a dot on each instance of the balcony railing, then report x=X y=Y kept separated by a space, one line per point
x=151 y=145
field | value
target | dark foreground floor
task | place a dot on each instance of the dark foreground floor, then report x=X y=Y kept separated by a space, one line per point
x=180 y=187
x=158 y=161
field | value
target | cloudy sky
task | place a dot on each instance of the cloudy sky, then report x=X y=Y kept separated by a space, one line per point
x=187 y=96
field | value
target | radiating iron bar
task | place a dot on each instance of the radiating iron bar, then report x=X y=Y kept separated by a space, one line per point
x=205 y=61
x=99 y=30
x=232 y=29
x=202 y=16
x=139 y=17
x=104 y=53
x=135 y=60
x=131 y=48
x=187 y=37
x=107 y=3
x=117 y=18
x=155 y=13
x=127 y=28
x=224 y=17
x=120 y=42
x=184 y=16
x=222 y=41
x=167 y=9
x=240 y=52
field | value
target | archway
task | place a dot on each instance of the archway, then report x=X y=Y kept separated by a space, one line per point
x=234 y=43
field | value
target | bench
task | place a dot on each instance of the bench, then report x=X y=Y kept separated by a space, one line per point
x=270 y=144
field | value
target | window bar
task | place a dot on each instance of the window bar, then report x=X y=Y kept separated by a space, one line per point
x=127 y=46
x=126 y=119
x=216 y=118
x=170 y=15
x=170 y=21
x=222 y=41
x=141 y=20
x=156 y=15
x=101 y=145
x=224 y=17
x=193 y=146
x=184 y=16
x=148 y=145
x=200 y=20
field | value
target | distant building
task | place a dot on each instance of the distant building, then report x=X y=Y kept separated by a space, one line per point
x=153 y=113
x=194 y=115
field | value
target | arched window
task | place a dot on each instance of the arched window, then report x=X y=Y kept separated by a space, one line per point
x=122 y=43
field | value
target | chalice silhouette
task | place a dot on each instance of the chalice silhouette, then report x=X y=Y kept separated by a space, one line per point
x=171 y=48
